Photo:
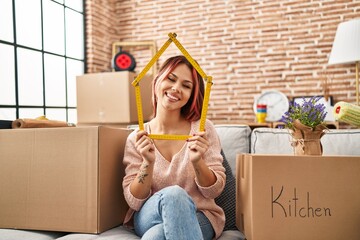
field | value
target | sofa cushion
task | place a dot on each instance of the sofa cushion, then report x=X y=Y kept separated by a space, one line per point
x=15 y=234
x=232 y=235
x=278 y=141
x=116 y=233
x=234 y=139
x=122 y=233
x=227 y=199
x=271 y=141
x=341 y=142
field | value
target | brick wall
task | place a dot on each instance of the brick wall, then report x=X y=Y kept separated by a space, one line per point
x=101 y=32
x=247 y=46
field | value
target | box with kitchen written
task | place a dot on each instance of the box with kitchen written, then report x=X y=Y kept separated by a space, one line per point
x=298 y=197
x=109 y=98
x=62 y=179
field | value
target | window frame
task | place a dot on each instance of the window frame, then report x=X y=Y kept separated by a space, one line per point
x=44 y=107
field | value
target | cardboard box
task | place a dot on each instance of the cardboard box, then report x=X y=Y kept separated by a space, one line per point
x=298 y=197
x=109 y=98
x=62 y=179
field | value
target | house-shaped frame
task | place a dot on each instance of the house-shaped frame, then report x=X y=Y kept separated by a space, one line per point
x=135 y=83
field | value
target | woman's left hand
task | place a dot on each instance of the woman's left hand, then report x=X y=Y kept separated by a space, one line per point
x=198 y=145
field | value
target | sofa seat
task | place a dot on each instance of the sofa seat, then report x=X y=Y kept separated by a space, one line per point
x=117 y=233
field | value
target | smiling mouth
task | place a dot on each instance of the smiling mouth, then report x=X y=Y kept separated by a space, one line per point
x=172 y=97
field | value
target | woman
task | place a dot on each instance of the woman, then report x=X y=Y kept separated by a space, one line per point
x=170 y=185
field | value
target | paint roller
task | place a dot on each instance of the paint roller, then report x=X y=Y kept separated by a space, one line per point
x=348 y=113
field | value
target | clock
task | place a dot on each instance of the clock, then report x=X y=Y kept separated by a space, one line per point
x=276 y=104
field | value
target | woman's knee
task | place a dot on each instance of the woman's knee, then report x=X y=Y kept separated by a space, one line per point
x=176 y=196
x=174 y=190
x=154 y=233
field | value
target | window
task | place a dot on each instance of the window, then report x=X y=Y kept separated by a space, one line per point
x=41 y=53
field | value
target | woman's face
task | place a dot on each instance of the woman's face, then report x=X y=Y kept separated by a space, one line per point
x=175 y=90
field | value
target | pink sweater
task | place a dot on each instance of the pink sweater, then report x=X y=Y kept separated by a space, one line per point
x=172 y=173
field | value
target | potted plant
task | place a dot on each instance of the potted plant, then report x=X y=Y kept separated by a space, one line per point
x=306 y=124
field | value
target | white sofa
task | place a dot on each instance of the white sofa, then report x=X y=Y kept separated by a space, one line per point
x=235 y=139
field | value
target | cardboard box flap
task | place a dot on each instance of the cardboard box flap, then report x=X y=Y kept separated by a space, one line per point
x=243 y=185
x=112 y=172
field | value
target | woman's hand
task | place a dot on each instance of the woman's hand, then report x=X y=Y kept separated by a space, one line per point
x=145 y=146
x=141 y=185
x=198 y=145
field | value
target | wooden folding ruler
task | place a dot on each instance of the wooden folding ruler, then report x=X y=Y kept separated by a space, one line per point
x=135 y=83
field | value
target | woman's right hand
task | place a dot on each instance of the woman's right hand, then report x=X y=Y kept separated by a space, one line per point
x=145 y=146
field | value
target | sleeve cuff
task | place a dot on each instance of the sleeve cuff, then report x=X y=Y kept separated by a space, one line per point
x=214 y=190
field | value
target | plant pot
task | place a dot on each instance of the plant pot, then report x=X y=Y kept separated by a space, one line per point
x=307 y=140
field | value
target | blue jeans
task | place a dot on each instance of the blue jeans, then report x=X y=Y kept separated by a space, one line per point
x=171 y=214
